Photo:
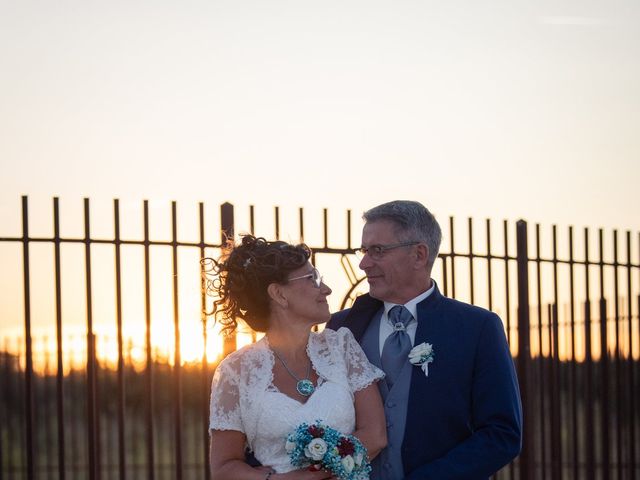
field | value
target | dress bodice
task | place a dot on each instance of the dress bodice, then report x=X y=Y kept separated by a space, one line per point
x=243 y=396
x=331 y=403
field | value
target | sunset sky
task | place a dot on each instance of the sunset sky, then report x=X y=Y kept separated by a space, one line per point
x=500 y=109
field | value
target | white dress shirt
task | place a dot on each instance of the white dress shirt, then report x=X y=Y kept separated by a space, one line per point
x=386 y=327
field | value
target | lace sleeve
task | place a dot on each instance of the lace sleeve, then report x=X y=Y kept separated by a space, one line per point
x=360 y=372
x=225 y=397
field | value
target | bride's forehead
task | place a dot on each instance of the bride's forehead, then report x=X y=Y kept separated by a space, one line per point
x=303 y=270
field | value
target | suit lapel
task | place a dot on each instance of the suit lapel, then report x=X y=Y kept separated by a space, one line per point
x=424 y=310
x=424 y=333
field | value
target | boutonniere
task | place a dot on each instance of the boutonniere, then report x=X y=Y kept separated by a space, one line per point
x=421 y=356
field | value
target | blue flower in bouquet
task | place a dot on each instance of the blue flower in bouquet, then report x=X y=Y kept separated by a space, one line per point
x=319 y=446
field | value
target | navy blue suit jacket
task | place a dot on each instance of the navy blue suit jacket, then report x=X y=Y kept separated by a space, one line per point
x=464 y=420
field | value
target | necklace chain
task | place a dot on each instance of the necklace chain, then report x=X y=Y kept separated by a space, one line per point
x=289 y=371
x=304 y=386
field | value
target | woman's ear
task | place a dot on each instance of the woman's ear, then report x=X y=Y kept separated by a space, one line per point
x=277 y=295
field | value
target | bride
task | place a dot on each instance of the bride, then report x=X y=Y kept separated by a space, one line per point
x=262 y=392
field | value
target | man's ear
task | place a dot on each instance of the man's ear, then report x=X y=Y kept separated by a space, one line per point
x=277 y=295
x=422 y=255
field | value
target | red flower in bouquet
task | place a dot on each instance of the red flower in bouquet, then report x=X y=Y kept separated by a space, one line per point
x=315 y=431
x=346 y=447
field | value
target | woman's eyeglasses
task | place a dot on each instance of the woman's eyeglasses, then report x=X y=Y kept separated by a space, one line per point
x=376 y=252
x=315 y=276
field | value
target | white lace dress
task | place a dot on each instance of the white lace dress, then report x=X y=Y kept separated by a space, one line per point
x=243 y=396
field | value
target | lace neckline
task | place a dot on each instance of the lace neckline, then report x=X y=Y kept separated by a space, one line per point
x=271 y=387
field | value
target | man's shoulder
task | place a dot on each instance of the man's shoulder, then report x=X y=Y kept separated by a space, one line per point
x=462 y=309
x=338 y=319
x=455 y=304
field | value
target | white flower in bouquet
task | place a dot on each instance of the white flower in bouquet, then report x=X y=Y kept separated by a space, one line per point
x=348 y=463
x=316 y=449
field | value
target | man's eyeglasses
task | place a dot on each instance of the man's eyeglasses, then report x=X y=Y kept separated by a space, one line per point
x=376 y=252
x=314 y=276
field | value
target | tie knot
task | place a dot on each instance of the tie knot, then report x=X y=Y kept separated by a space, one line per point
x=399 y=317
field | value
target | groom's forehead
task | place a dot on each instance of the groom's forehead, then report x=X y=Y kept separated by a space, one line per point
x=380 y=230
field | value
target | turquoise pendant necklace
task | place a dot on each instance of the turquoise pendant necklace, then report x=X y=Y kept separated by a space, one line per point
x=304 y=386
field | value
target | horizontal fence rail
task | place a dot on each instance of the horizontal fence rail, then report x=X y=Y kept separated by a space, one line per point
x=115 y=406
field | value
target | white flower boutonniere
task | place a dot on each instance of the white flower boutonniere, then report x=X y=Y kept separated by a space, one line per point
x=422 y=355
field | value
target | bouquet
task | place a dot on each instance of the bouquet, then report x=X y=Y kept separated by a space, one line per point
x=318 y=446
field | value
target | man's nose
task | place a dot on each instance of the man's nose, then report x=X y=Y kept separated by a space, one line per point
x=365 y=262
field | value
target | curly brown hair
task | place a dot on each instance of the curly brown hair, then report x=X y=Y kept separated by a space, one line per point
x=240 y=278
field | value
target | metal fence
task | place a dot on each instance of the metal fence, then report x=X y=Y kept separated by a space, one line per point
x=570 y=310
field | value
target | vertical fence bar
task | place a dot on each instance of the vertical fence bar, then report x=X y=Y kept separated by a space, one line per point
x=28 y=384
x=617 y=364
x=556 y=406
x=453 y=258
x=325 y=227
x=150 y=454
x=604 y=362
x=227 y=233
x=205 y=361
x=508 y=304
x=588 y=399
x=505 y=233
x=301 y=223
x=91 y=357
x=59 y=358
x=489 y=275
x=631 y=445
x=121 y=432
x=524 y=351
x=445 y=278
x=227 y=222
x=541 y=362
x=252 y=220
x=575 y=440
x=177 y=367
x=471 y=292
x=637 y=380
x=552 y=391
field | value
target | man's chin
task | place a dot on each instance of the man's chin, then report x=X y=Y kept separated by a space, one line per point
x=375 y=291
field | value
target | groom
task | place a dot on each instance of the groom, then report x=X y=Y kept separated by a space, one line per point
x=457 y=414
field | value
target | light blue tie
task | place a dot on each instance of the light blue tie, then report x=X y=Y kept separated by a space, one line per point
x=397 y=346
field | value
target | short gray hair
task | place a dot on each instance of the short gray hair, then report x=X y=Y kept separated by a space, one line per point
x=414 y=222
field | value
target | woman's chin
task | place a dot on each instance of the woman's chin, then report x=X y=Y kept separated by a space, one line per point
x=323 y=318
